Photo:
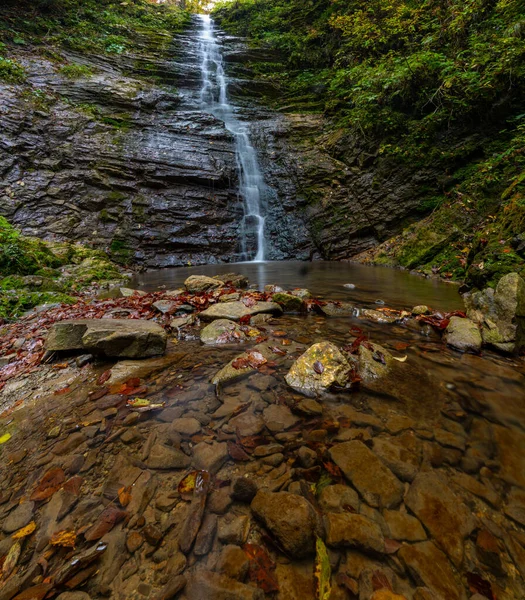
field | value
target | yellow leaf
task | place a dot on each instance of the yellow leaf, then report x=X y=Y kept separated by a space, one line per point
x=402 y=359
x=323 y=571
x=25 y=531
x=11 y=559
x=66 y=538
x=5 y=438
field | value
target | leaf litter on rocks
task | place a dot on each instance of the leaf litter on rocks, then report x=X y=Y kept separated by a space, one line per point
x=261 y=568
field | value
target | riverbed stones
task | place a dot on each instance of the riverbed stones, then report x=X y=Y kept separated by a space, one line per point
x=338 y=498
x=19 y=517
x=222 y=331
x=201 y=283
x=430 y=567
x=401 y=455
x=210 y=457
x=378 y=486
x=278 y=417
x=319 y=368
x=353 y=531
x=403 y=527
x=206 y=584
x=186 y=426
x=247 y=423
x=237 y=310
x=337 y=309
x=120 y=338
x=442 y=513
x=166 y=457
x=290 y=518
x=463 y=335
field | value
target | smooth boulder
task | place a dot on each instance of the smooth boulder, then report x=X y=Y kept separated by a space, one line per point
x=201 y=283
x=222 y=331
x=463 y=335
x=237 y=310
x=319 y=368
x=119 y=338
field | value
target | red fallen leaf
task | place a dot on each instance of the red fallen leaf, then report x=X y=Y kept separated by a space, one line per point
x=277 y=350
x=97 y=394
x=261 y=339
x=73 y=485
x=255 y=359
x=61 y=366
x=240 y=363
x=478 y=585
x=261 y=569
x=318 y=367
x=286 y=342
x=245 y=320
x=64 y=390
x=104 y=377
x=236 y=452
x=37 y=592
x=401 y=346
x=333 y=470
x=50 y=483
x=279 y=333
x=107 y=519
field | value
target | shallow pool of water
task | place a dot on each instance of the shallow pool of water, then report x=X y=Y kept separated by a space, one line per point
x=396 y=288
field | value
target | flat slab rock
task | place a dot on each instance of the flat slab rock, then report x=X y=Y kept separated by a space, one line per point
x=237 y=310
x=119 y=338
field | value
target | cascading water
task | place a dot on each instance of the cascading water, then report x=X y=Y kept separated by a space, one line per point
x=214 y=100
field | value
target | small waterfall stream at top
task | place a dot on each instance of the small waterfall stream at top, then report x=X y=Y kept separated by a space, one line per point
x=214 y=100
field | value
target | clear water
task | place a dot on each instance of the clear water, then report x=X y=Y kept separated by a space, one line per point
x=214 y=100
x=398 y=289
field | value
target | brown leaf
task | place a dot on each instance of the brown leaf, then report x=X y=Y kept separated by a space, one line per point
x=104 y=377
x=255 y=359
x=61 y=391
x=236 y=452
x=240 y=363
x=73 y=485
x=109 y=517
x=50 y=483
x=261 y=569
x=318 y=367
x=279 y=333
x=277 y=350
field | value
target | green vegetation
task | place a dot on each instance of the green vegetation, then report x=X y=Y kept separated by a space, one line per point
x=434 y=83
x=88 y=25
x=75 y=71
x=36 y=272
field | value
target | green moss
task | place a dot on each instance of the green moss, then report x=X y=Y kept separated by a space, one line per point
x=11 y=71
x=15 y=303
x=75 y=71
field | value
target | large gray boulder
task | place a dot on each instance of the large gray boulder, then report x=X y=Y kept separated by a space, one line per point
x=201 y=283
x=237 y=310
x=119 y=338
x=463 y=335
x=500 y=313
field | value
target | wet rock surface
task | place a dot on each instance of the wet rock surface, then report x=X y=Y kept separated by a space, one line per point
x=172 y=486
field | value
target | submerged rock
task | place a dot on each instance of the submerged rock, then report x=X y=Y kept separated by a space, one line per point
x=112 y=337
x=338 y=309
x=237 y=310
x=463 y=335
x=222 y=331
x=320 y=367
x=201 y=283
x=290 y=518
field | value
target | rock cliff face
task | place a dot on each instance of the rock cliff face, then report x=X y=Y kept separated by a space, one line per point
x=124 y=159
x=126 y=164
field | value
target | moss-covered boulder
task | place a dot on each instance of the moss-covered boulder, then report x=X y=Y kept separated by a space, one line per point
x=222 y=331
x=201 y=283
x=289 y=302
x=318 y=369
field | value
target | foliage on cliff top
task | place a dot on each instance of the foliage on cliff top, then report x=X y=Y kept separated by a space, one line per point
x=437 y=83
x=87 y=25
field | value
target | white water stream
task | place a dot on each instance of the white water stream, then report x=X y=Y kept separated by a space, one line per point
x=214 y=100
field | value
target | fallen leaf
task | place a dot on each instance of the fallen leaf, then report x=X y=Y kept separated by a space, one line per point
x=65 y=538
x=104 y=377
x=323 y=571
x=241 y=363
x=61 y=391
x=279 y=333
x=5 y=438
x=11 y=559
x=50 y=483
x=25 y=531
x=142 y=405
x=255 y=359
x=187 y=485
x=400 y=359
x=261 y=568
x=277 y=350
x=61 y=366
x=124 y=495
x=236 y=452
x=107 y=519
x=318 y=367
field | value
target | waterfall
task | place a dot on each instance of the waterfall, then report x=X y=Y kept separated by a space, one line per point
x=214 y=100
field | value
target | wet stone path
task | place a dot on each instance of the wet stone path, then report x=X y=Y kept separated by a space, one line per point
x=407 y=485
